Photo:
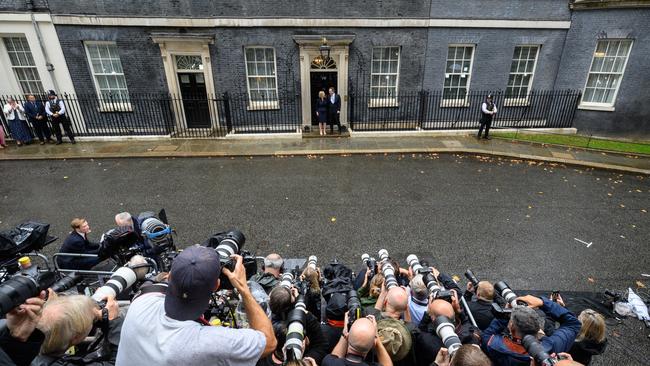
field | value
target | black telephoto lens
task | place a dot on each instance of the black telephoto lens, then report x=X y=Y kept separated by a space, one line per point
x=471 y=278
x=536 y=351
x=354 y=307
x=19 y=288
x=66 y=283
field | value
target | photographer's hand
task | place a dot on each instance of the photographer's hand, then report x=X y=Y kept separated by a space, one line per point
x=470 y=287
x=532 y=301
x=238 y=276
x=256 y=316
x=442 y=358
x=454 y=302
x=22 y=320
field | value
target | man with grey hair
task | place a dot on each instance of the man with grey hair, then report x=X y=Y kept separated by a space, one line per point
x=270 y=277
x=418 y=299
x=67 y=321
x=524 y=320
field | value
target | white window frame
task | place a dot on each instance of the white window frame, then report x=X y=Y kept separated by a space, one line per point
x=458 y=102
x=509 y=102
x=37 y=81
x=608 y=107
x=387 y=102
x=103 y=105
x=258 y=105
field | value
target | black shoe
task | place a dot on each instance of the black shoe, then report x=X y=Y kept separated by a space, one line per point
x=50 y=141
x=42 y=142
x=73 y=141
x=58 y=142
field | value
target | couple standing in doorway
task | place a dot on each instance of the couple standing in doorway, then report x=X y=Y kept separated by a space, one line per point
x=328 y=111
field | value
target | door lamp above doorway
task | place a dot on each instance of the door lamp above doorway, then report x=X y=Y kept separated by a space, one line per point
x=323 y=61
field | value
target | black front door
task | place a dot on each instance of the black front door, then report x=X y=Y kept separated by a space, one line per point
x=321 y=81
x=195 y=99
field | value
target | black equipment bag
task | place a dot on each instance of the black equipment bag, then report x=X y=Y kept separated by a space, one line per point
x=26 y=237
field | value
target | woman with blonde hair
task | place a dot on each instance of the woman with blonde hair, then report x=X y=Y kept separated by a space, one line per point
x=321 y=112
x=313 y=295
x=370 y=290
x=592 y=338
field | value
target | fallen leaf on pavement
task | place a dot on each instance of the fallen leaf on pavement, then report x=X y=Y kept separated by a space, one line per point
x=333 y=219
x=640 y=284
x=456 y=278
x=591 y=280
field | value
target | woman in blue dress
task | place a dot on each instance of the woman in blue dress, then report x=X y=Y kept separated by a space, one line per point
x=15 y=115
x=321 y=112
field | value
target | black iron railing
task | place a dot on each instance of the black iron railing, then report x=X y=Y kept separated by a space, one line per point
x=210 y=116
x=430 y=110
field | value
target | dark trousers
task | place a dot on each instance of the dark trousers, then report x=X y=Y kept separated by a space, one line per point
x=333 y=119
x=41 y=129
x=485 y=122
x=56 y=125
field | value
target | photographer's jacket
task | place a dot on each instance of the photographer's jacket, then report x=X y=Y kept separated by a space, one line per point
x=15 y=352
x=505 y=351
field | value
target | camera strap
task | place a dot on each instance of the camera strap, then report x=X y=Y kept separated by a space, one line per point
x=353 y=358
x=159 y=287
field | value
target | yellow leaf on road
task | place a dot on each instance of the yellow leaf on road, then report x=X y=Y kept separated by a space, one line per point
x=333 y=219
x=456 y=278
x=591 y=280
x=640 y=284
x=65 y=177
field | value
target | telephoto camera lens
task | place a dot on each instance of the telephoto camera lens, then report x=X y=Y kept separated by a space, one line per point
x=311 y=262
x=354 y=307
x=66 y=283
x=122 y=279
x=19 y=288
x=536 y=351
x=504 y=290
x=230 y=243
x=383 y=255
x=389 y=275
x=414 y=262
x=370 y=263
x=471 y=278
x=286 y=280
x=297 y=318
x=447 y=333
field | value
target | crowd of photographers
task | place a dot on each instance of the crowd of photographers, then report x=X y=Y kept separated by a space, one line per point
x=208 y=305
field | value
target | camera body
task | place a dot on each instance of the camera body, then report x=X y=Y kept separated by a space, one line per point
x=471 y=278
x=438 y=292
x=22 y=286
x=226 y=244
x=371 y=264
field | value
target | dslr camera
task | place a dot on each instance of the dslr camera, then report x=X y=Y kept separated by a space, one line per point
x=506 y=293
x=438 y=292
x=226 y=244
x=371 y=264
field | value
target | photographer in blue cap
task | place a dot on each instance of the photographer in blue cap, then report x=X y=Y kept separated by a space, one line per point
x=169 y=329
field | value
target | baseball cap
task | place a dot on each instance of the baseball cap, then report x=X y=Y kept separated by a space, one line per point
x=194 y=274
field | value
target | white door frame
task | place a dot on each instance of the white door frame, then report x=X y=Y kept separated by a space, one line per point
x=340 y=52
x=191 y=45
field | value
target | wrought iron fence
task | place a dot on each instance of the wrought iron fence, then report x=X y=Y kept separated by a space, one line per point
x=206 y=116
x=217 y=115
x=429 y=110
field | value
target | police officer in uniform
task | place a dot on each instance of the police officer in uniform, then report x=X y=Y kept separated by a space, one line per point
x=57 y=112
x=488 y=110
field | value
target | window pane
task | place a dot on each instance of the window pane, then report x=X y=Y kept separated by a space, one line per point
x=250 y=54
x=259 y=54
x=608 y=64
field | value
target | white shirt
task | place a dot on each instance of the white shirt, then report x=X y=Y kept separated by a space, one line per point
x=9 y=113
x=333 y=98
x=485 y=110
x=149 y=337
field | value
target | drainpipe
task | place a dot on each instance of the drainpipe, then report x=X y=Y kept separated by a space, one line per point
x=37 y=29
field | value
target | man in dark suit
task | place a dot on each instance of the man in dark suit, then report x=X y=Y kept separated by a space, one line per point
x=481 y=308
x=77 y=242
x=35 y=111
x=334 y=109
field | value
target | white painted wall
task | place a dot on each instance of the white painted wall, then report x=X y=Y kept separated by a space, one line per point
x=20 y=24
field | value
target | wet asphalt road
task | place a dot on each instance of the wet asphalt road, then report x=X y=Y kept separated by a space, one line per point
x=504 y=218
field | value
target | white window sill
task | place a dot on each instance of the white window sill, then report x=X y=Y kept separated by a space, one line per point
x=596 y=107
x=456 y=103
x=115 y=107
x=516 y=103
x=383 y=103
x=263 y=106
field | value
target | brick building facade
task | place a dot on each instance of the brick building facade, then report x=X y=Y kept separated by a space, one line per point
x=380 y=52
